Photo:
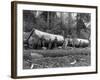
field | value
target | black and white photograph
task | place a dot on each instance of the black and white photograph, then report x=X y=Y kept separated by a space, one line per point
x=53 y=39
x=56 y=39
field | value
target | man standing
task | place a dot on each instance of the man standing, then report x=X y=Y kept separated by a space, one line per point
x=55 y=42
x=50 y=44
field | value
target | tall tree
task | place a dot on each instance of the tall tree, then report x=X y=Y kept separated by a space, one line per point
x=82 y=18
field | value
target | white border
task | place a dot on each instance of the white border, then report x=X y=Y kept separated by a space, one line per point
x=21 y=72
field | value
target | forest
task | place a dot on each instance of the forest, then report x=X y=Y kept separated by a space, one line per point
x=67 y=24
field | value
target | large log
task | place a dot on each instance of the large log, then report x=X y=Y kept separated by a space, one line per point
x=76 y=42
x=48 y=36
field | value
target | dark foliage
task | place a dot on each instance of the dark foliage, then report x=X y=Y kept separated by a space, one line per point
x=50 y=22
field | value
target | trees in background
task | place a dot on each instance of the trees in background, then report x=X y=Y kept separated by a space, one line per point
x=83 y=29
x=62 y=23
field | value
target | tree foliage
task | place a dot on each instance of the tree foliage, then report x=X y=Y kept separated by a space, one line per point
x=65 y=24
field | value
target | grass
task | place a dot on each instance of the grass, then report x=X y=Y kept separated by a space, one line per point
x=60 y=52
x=69 y=57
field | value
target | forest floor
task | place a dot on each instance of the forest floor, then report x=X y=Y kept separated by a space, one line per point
x=69 y=57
